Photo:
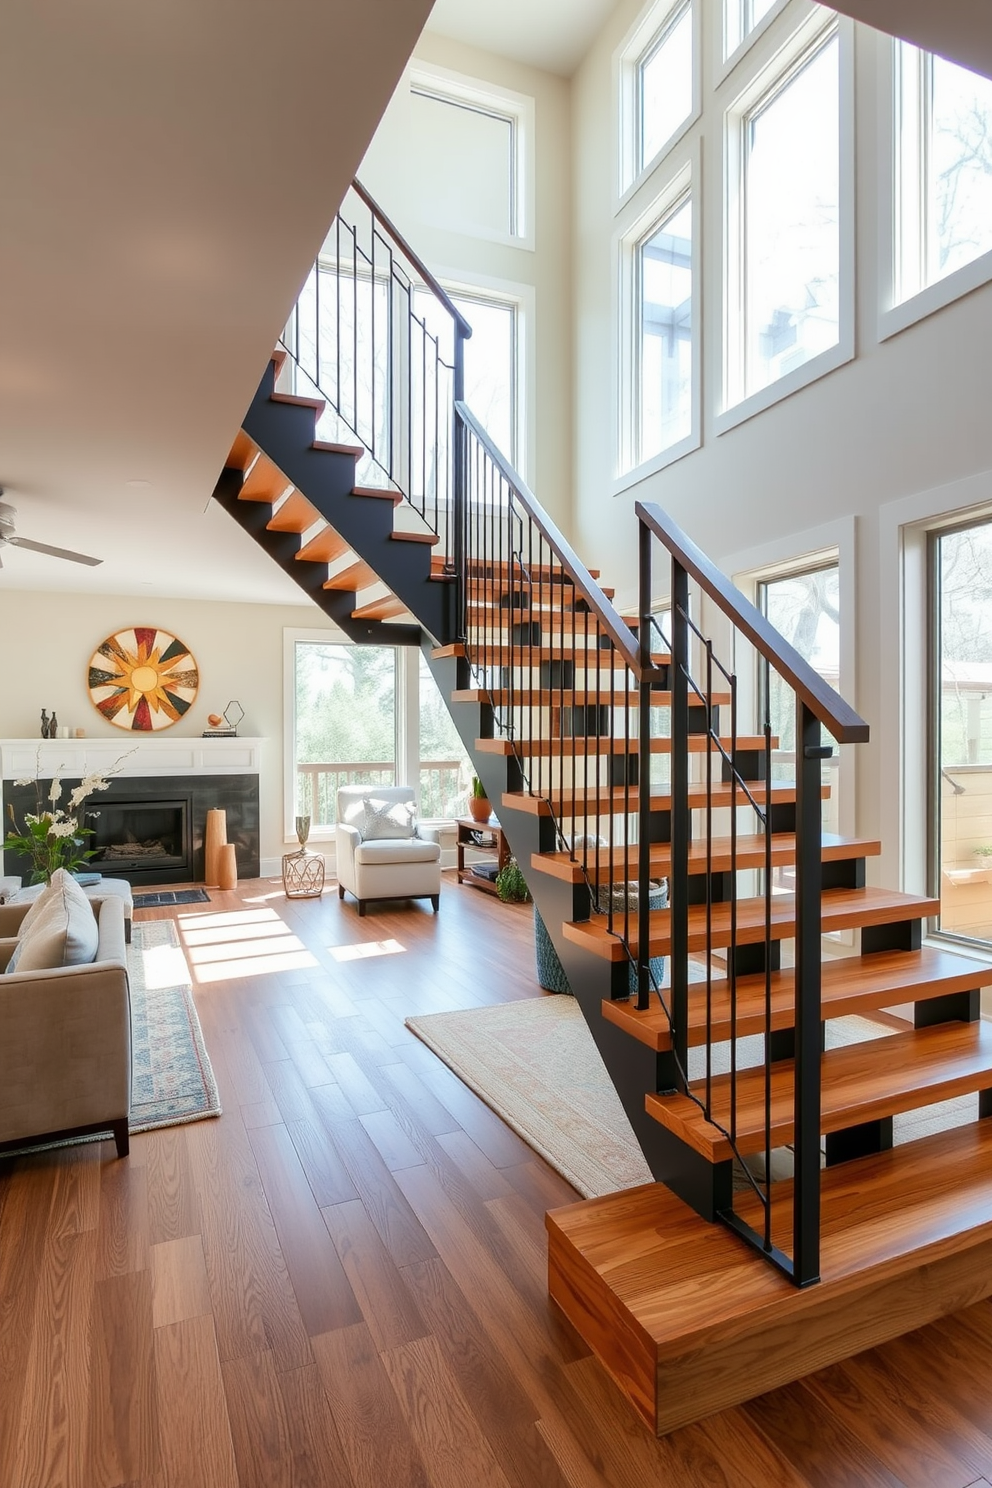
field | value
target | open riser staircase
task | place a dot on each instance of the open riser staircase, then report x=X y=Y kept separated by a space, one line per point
x=623 y=762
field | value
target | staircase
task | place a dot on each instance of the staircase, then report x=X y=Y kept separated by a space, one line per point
x=621 y=752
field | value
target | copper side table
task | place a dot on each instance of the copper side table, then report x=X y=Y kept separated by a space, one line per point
x=303 y=875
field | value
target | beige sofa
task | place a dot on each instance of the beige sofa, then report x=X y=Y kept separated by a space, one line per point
x=65 y=1039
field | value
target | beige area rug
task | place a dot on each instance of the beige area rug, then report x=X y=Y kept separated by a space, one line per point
x=535 y=1064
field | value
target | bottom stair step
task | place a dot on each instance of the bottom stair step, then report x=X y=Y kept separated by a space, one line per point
x=860 y=1082
x=689 y=1319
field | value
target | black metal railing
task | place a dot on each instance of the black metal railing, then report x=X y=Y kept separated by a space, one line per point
x=717 y=921
x=374 y=334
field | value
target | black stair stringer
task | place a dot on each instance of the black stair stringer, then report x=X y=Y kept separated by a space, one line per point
x=282 y=547
x=633 y=1068
x=285 y=432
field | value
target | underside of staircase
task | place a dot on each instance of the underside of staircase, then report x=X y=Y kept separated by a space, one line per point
x=686 y=1315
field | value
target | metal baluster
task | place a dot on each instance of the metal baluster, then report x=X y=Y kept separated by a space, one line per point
x=806 y=1218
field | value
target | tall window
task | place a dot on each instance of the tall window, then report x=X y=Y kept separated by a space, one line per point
x=345 y=722
x=664 y=86
x=961 y=724
x=477 y=190
x=790 y=248
x=664 y=356
x=491 y=360
x=944 y=168
x=369 y=715
x=805 y=608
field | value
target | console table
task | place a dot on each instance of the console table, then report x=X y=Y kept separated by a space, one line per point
x=486 y=837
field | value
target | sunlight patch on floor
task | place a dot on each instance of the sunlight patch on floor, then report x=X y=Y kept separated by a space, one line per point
x=242 y=943
x=367 y=948
x=163 y=966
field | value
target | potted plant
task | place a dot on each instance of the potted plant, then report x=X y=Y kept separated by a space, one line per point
x=511 y=886
x=479 y=808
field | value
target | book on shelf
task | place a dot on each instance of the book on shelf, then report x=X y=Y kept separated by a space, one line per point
x=488 y=871
x=219 y=733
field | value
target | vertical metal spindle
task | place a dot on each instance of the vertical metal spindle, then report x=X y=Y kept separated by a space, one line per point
x=768 y=871
x=643 y=767
x=806 y=1218
x=679 y=818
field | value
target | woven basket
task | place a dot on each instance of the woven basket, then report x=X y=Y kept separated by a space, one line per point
x=550 y=972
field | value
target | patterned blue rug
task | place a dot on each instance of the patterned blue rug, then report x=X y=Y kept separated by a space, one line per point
x=172 y=1080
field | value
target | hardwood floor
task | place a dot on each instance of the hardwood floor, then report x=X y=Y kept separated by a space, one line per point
x=341 y=1282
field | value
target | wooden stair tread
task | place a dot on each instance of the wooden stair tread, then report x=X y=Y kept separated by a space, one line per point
x=841 y=909
x=386 y=608
x=617 y=799
x=485 y=568
x=331 y=447
x=415 y=537
x=324 y=547
x=243 y=451
x=691 y=1320
x=750 y=854
x=356 y=576
x=296 y=400
x=264 y=482
x=295 y=514
x=855 y=984
x=549 y=748
x=860 y=1082
x=554 y=697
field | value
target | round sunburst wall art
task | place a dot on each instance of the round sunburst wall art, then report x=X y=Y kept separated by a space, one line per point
x=142 y=679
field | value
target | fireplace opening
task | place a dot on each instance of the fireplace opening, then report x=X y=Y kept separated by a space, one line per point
x=146 y=836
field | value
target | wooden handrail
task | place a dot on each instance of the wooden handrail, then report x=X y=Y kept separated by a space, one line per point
x=837 y=717
x=610 y=619
x=417 y=262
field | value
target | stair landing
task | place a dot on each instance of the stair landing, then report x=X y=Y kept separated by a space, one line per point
x=690 y=1320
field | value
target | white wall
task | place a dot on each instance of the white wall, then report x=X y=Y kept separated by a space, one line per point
x=398 y=180
x=47 y=642
x=907 y=415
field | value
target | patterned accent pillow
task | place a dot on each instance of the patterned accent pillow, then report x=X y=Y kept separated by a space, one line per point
x=385 y=820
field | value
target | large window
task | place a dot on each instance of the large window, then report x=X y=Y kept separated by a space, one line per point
x=368 y=715
x=663 y=264
x=944 y=169
x=789 y=223
x=805 y=608
x=961 y=726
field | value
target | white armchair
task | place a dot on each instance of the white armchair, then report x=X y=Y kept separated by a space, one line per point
x=378 y=857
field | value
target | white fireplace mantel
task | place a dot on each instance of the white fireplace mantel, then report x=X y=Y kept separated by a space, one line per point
x=148 y=755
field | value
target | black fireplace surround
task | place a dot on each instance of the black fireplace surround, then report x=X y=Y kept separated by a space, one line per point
x=169 y=809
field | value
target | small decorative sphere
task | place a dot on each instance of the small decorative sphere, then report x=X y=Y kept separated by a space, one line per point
x=215 y=720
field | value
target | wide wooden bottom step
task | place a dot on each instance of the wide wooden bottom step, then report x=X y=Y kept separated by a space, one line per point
x=689 y=1320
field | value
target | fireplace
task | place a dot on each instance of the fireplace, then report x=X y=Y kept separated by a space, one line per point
x=150 y=829
x=141 y=836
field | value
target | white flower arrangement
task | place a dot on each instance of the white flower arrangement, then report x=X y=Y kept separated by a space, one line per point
x=55 y=837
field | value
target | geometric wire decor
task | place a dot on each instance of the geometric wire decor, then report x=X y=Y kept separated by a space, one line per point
x=142 y=679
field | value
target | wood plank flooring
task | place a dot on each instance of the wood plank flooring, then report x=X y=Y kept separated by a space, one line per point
x=341 y=1282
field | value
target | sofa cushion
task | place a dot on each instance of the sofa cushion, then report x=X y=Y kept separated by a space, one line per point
x=397 y=850
x=39 y=896
x=388 y=819
x=60 y=929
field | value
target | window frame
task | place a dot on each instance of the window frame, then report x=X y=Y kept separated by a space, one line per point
x=683 y=185
x=646 y=35
x=461 y=91
x=895 y=311
x=731 y=56
x=768 y=79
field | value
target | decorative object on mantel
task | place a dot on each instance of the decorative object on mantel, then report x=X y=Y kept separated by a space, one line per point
x=214 y=838
x=225 y=726
x=143 y=679
x=49 y=726
x=53 y=836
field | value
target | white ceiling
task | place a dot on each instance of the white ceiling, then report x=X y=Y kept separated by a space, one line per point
x=167 y=172
x=553 y=34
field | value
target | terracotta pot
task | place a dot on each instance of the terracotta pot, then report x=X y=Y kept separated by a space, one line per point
x=479 y=808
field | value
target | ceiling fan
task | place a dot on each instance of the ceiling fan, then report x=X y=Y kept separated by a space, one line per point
x=8 y=514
